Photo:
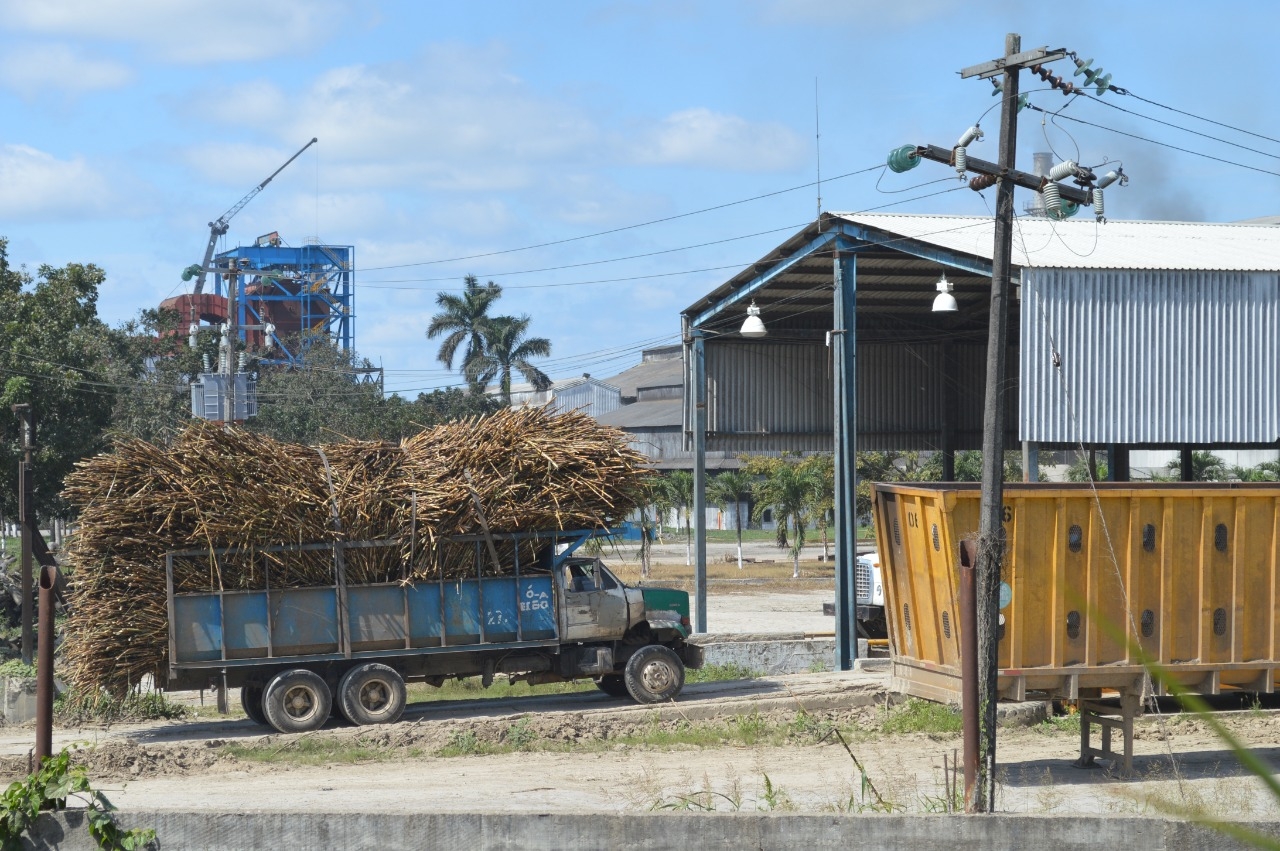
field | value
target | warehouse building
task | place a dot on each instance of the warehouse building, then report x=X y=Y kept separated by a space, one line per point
x=1123 y=337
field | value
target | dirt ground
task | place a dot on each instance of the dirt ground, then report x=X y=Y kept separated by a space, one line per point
x=573 y=760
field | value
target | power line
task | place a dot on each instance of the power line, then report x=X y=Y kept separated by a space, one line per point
x=1187 y=129
x=1128 y=93
x=611 y=231
x=1162 y=144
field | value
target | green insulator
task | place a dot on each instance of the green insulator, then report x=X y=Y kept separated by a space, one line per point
x=1065 y=210
x=903 y=159
x=191 y=271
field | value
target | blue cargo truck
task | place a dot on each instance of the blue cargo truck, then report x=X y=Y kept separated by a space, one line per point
x=299 y=655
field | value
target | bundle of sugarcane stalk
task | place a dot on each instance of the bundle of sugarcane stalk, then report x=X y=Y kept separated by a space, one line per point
x=220 y=488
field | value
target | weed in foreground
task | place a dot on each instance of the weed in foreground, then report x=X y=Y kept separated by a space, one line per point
x=103 y=708
x=922 y=716
x=721 y=673
x=310 y=750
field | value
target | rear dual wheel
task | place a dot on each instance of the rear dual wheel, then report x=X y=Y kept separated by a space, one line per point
x=297 y=701
x=371 y=693
x=251 y=700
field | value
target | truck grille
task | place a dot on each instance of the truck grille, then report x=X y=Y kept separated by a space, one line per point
x=862 y=582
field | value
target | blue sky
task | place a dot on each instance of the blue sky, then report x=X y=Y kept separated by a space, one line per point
x=454 y=130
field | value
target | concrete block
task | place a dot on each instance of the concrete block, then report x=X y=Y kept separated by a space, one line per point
x=189 y=831
x=18 y=700
x=774 y=657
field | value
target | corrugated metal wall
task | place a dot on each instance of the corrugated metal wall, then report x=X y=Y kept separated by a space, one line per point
x=1150 y=356
x=592 y=399
x=770 y=396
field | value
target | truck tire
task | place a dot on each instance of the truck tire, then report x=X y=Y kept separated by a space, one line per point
x=371 y=694
x=297 y=701
x=654 y=674
x=613 y=685
x=251 y=701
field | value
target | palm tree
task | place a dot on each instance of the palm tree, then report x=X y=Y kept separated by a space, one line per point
x=505 y=349
x=463 y=319
x=789 y=490
x=729 y=489
x=822 y=467
x=679 y=487
x=1205 y=467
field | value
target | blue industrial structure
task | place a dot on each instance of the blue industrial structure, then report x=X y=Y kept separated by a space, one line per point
x=307 y=292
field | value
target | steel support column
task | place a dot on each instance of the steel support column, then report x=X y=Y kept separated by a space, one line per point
x=699 y=481
x=844 y=347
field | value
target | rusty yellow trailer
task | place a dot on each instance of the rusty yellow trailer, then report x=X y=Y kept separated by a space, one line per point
x=1187 y=571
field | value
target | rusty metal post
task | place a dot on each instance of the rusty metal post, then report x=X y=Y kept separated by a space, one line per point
x=969 y=673
x=44 y=666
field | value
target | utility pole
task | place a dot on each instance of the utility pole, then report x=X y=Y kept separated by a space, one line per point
x=27 y=518
x=991 y=540
x=233 y=316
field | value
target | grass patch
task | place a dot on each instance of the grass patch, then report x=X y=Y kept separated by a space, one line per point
x=721 y=673
x=1055 y=724
x=315 y=750
x=470 y=688
x=103 y=708
x=922 y=716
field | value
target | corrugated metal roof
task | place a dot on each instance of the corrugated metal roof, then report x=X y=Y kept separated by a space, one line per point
x=1083 y=243
x=665 y=413
x=653 y=373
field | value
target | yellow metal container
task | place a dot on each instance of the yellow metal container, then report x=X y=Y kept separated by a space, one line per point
x=1188 y=571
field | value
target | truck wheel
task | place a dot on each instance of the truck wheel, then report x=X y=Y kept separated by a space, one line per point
x=371 y=694
x=654 y=674
x=613 y=685
x=297 y=701
x=251 y=700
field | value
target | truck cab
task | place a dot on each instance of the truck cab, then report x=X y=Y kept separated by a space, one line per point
x=868 y=586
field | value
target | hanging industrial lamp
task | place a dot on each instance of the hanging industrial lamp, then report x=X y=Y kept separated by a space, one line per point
x=753 y=326
x=945 y=302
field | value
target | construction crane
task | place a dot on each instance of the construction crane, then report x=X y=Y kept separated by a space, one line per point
x=219 y=227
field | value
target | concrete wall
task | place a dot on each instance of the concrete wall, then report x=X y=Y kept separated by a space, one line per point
x=205 y=831
x=772 y=654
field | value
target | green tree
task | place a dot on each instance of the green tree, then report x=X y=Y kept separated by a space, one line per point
x=52 y=349
x=507 y=349
x=1080 y=470
x=151 y=357
x=821 y=466
x=1205 y=467
x=1267 y=471
x=321 y=401
x=449 y=405
x=788 y=490
x=462 y=321
x=678 y=487
x=728 y=490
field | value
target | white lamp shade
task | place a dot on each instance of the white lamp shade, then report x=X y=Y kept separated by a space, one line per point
x=945 y=302
x=753 y=326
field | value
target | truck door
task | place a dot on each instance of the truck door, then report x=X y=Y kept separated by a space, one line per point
x=594 y=604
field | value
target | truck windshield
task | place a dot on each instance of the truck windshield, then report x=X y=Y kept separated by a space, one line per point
x=588 y=576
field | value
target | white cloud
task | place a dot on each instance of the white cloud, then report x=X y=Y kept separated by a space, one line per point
x=40 y=186
x=700 y=137
x=185 y=31
x=32 y=70
x=452 y=120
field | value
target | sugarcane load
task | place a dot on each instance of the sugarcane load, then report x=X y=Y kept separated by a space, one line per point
x=220 y=515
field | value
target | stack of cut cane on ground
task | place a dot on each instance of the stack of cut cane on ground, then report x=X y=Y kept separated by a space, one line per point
x=225 y=488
